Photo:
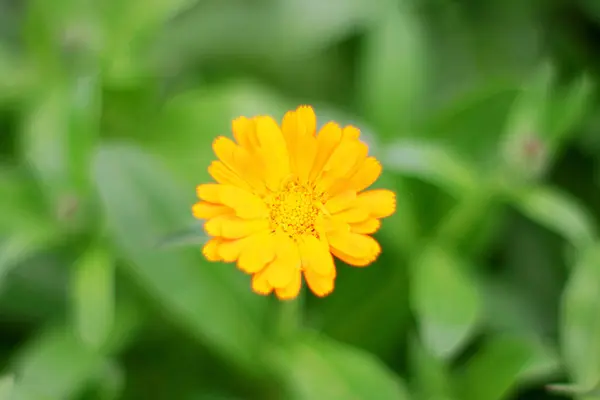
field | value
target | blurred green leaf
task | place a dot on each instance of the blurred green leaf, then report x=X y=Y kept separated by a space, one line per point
x=529 y=109
x=543 y=363
x=56 y=365
x=7 y=382
x=311 y=25
x=142 y=202
x=445 y=300
x=59 y=135
x=185 y=237
x=572 y=390
x=429 y=162
x=431 y=376
x=24 y=227
x=93 y=296
x=558 y=212
x=591 y=7
x=471 y=124
x=524 y=141
x=393 y=69
x=580 y=330
x=20 y=201
x=318 y=367
x=567 y=109
x=20 y=245
x=16 y=77
x=110 y=381
x=494 y=371
x=273 y=31
x=129 y=26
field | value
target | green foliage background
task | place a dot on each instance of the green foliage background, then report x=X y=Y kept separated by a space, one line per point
x=484 y=114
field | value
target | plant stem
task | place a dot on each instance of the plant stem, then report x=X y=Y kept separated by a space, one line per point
x=289 y=318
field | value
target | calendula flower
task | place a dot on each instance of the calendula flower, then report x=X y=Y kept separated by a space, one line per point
x=288 y=199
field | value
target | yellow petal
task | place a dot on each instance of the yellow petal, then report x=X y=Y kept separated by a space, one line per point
x=298 y=129
x=259 y=252
x=330 y=224
x=239 y=162
x=210 y=249
x=229 y=250
x=273 y=151
x=350 y=132
x=292 y=290
x=328 y=139
x=369 y=226
x=366 y=175
x=205 y=210
x=356 y=262
x=209 y=192
x=287 y=262
x=352 y=215
x=260 y=284
x=340 y=202
x=360 y=249
x=224 y=175
x=232 y=227
x=380 y=203
x=244 y=203
x=319 y=284
x=316 y=256
x=224 y=148
x=244 y=132
x=342 y=163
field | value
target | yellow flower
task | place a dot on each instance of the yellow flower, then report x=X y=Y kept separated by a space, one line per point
x=287 y=199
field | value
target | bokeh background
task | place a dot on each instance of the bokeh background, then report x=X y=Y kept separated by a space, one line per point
x=483 y=113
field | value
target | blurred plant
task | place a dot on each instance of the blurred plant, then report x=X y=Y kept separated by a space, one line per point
x=488 y=284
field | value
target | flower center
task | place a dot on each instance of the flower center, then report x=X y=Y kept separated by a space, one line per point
x=294 y=210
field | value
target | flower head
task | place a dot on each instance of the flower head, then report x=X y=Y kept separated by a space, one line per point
x=287 y=199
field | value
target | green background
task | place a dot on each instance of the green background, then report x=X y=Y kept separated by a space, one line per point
x=483 y=113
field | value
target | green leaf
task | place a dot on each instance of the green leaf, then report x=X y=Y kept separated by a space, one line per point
x=573 y=390
x=214 y=302
x=16 y=78
x=286 y=30
x=524 y=141
x=58 y=138
x=20 y=200
x=529 y=110
x=7 y=382
x=391 y=81
x=56 y=365
x=591 y=8
x=544 y=362
x=185 y=237
x=567 y=109
x=446 y=301
x=24 y=226
x=494 y=371
x=558 y=212
x=129 y=26
x=20 y=245
x=580 y=327
x=460 y=123
x=93 y=296
x=431 y=375
x=429 y=162
x=317 y=367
